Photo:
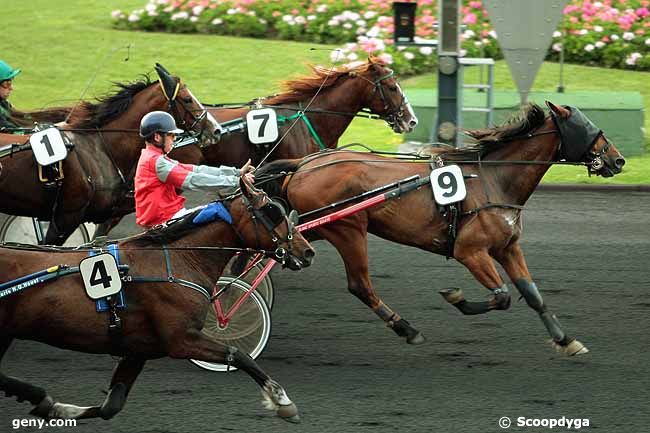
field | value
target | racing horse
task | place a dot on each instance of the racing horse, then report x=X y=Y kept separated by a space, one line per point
x=165 y=310
x=105 y=147
x=338 y=95
x=508 y=162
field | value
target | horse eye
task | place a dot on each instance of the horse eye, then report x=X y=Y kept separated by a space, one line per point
x=187 y=100
x=392 y=88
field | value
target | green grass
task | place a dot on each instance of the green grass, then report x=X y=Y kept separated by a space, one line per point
x=63 y=46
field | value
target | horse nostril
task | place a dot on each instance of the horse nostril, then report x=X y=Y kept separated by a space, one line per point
x=619 y=163
x=309 y=254
x=413 y=123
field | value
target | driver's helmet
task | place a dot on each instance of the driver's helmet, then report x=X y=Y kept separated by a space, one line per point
x=158 y=121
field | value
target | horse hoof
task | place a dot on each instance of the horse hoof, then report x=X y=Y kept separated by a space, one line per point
x=453 y=295
x=572 y=349
x=416 y=339
x=43 y=408
x=576 y=348
x=289 y=413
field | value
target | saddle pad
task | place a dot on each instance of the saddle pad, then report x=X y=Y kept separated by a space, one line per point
x=101 y=305
x=211 y=212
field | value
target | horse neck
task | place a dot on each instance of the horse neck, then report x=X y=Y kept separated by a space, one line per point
x=518 y=181
x=347 y=97
x=126 y=146
x=215 y=234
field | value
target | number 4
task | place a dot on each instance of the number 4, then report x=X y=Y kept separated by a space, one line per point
x=103 y=278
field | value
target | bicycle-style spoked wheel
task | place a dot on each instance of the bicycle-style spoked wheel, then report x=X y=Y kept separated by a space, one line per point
x=21 y=229
x=265 y=287
x=248 y=330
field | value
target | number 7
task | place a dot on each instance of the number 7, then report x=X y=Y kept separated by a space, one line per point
x=265 y=118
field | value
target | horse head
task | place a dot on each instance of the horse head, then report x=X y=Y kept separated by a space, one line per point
x=582 y=141
x=387 y=98
x=189 y=113
x=278 y=231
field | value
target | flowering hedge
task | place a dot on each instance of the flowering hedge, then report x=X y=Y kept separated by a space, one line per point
x=610 y=33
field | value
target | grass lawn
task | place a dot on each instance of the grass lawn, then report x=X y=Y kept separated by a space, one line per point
x=67 y=48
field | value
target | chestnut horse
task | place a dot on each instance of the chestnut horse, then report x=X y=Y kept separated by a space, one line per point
x=166 y=310
x=509 y=162
x=338 y=95
x=99 y=169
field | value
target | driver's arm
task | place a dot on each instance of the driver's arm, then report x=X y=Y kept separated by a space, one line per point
x=195 y=177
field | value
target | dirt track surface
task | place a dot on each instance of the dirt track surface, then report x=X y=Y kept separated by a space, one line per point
x=590 y=256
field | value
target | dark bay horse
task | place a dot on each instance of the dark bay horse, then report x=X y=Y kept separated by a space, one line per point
x=338 y=95
x=514 y=158
x=98 y=171
x=165 y=309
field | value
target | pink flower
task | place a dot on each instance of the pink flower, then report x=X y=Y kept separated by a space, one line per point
x=470 y=18
x=475 y=4
x=642 y=12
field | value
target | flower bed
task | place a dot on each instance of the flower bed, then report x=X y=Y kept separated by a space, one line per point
x=610 y=33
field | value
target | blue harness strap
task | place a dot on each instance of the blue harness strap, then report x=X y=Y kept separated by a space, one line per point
x=101 y=305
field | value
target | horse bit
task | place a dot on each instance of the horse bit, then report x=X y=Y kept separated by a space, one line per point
x=270 y=224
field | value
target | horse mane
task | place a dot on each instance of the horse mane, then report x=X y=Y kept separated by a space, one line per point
x=268 y=177
x=528 y=119
x=306 y=86
x=44 y=115
x=89 y=115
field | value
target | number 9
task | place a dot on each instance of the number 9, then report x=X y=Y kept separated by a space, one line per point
x=447 y=182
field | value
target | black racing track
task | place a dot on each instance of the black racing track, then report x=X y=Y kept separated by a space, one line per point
x=590 y=255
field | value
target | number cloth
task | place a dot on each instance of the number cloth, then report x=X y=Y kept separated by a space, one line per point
x=158 y=178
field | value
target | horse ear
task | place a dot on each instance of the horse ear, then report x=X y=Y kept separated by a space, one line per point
x=169 y=83
x=160 y=69
x=559 y=111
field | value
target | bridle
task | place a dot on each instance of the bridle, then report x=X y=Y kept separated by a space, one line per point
x=392 y=112
x=271 y=215
x=173 y=102
x=594 y=159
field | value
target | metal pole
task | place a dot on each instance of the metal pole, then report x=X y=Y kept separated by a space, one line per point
x=560 y=88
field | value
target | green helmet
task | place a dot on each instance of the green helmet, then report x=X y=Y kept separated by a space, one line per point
x=7 y=72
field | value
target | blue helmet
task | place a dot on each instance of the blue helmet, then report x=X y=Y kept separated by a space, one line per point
x=158 y=121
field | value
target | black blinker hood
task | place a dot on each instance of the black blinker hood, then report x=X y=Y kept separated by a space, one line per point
x=577 y=134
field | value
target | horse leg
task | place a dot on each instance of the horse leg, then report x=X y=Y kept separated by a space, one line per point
x=23 y=390
x=105 y=227
x=61 y=227
x=481 y=265
x=353 y=248
x=124 y=375
x=512 y=260
x=45 y=406
x=195 y=345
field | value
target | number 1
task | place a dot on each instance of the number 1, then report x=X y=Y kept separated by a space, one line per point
x=48 y=146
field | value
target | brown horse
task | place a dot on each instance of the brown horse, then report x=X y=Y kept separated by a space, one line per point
x=333 y=98
x=508 y=161
x=338 y=95
x=98 y=171
x=166 y=309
